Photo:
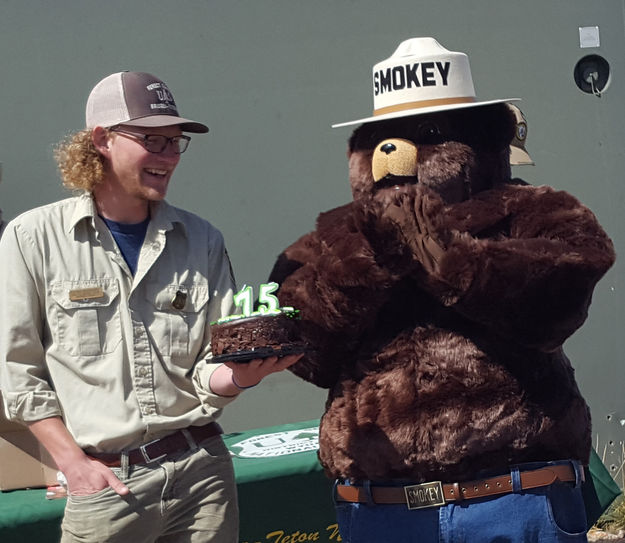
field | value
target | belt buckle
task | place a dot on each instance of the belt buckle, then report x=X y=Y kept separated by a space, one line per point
x=146 y=455
x=424 y=495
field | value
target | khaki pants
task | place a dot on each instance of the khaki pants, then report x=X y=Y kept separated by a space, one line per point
x=186 y=498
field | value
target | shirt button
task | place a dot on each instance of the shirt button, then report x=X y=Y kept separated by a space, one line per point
x=156 y=246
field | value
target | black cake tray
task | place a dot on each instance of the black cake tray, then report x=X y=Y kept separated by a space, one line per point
x=261 y=352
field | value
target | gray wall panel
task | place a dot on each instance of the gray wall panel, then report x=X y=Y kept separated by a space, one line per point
x=270 y=76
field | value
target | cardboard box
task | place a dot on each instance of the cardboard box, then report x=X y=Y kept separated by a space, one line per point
x=24 y=463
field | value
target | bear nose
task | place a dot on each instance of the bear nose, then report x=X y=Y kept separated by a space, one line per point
x=388 y=148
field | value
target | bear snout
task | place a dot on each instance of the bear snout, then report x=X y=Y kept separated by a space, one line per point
x=395 y=160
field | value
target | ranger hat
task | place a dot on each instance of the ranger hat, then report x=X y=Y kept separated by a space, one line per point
x=421 y=77
x=135 y=99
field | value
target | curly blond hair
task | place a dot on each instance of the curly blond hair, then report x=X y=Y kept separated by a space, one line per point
x=80 y=164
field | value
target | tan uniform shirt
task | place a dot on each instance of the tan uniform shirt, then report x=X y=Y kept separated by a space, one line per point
x=124 y=360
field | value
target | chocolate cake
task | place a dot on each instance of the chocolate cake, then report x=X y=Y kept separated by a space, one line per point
x=243 y=338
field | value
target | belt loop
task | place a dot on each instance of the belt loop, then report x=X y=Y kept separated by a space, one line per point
x=187 y=435
x=366 y=485
x=579 y=473
x=124 y=464
x=515 y=476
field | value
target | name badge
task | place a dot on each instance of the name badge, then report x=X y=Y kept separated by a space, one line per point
x=424 y=495
x=86 y=294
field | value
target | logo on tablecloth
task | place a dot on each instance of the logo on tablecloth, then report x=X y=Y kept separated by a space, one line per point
x=277 y=444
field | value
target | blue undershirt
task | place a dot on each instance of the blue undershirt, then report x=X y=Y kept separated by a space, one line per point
x=129 y=239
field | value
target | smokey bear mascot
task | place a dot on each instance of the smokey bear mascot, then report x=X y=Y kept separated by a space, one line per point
x=437 y=302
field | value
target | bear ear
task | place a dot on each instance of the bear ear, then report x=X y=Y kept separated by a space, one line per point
x=504 y=124
x=489 y=127
x=360 y=139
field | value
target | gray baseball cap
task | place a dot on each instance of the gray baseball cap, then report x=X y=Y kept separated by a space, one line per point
x=135 y=99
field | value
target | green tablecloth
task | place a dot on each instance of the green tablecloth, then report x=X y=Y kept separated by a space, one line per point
x=283 y=495
x=26 y=515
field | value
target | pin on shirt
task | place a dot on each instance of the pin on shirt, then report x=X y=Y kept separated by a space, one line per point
x=179 y=300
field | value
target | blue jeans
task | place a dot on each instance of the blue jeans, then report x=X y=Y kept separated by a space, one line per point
x=551 y=514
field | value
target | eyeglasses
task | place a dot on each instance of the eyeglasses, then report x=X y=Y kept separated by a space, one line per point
x=156 y=143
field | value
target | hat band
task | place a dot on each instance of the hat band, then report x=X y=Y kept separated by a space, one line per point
x=423 y=103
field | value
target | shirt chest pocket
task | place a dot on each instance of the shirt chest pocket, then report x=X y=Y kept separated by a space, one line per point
x=179 y=319
x=86 y=318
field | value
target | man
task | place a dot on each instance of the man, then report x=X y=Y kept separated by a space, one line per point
x=104 y=330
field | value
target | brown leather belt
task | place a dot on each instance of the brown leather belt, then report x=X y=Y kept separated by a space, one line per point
x=435 y=493
x=160 y=448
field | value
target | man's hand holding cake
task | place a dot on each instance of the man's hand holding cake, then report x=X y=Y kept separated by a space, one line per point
x=231 y=378
x=254 y=344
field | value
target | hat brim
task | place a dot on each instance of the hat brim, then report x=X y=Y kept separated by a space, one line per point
x=423 y=111
x=152 y=121
x=519 y=157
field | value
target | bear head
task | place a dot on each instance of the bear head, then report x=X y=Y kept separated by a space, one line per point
x=456 y=153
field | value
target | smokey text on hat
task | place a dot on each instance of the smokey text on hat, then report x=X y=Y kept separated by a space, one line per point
x=417 y=74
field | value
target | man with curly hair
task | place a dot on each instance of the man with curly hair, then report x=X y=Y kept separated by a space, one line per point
x=104 y=330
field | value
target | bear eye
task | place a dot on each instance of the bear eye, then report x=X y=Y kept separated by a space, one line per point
x=428 y=133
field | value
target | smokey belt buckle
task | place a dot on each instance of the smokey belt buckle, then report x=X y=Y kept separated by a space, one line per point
x=424 y=495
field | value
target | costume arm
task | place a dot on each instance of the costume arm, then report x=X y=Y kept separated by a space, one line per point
x=520 y=260
x=332 y=277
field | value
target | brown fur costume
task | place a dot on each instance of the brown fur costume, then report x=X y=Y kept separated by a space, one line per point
x=438 y=304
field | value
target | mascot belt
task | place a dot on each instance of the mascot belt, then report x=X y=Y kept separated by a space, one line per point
x=435 y=493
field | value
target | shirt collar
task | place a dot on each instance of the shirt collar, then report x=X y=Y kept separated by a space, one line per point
x=84 y=209
x=163 y=215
